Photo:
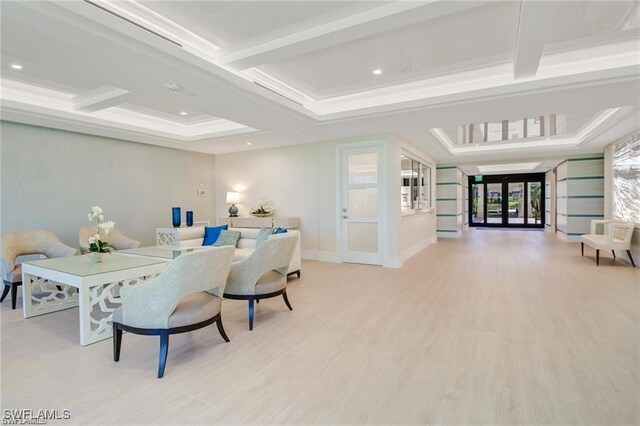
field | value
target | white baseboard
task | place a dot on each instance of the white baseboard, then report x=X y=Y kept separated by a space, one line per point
x=413 y=250
x=309 y=254
x=328 y=256
x=456 y=234
x=569 y=238
x=392 y=262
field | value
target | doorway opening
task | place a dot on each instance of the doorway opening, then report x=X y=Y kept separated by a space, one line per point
x=507 y=201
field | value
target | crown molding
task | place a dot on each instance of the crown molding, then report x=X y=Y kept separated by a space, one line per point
x=600 y=122
x=19 y=97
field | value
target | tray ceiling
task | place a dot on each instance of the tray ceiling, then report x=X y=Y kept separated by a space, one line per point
x=213 y=76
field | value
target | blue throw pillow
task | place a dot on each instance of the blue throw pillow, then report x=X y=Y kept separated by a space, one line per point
x=211 y=234
x=280 y=231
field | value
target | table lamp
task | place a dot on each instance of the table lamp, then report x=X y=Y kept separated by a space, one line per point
x=233 y=198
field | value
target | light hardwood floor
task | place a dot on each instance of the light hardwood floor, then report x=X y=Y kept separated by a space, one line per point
x=493 y=328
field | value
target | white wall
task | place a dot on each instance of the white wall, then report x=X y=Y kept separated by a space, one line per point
x=580 y=195
x=550 y=201
x=301 y=181
x=418 y=230
x=51 y=178
x=290 y=177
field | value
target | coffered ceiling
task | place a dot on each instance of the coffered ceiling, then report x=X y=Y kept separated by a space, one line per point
x=217 y=76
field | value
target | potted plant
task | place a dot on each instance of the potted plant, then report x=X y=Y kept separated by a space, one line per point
x=262 y=208
x=97 y=247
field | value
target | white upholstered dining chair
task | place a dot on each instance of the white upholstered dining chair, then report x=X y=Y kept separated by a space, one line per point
x=27 y=242
x=117 y=239
x=185 y=297
x=263 y=274
x=616 y=235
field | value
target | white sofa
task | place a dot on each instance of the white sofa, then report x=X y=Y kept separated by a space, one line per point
x=193 y=237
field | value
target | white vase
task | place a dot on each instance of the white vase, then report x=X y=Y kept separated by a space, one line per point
x=96 y=257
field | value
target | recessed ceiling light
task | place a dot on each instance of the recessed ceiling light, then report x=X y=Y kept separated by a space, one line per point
x=547 y=139
x=16 y=66
x=377 y=72
x=249 y=143
x=183 y=113
x=476 y=144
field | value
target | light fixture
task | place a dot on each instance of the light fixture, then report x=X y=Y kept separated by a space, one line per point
x=547 y=139
x=377 y=72
x=183 y=113
x=233 y=198
x=16 y=66
x=249 y=143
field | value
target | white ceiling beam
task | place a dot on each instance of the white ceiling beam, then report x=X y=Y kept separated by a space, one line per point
x=101 y=98
x=352 y=27
x=533 y=27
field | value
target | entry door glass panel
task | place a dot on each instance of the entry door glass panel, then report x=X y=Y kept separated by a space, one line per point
x=494 y=203
x=535 y=189
x=477 y=199
x=363 y=202
x=516 y=203
x=363 y=168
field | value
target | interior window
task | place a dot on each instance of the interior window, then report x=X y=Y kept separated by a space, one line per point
x=415 y=184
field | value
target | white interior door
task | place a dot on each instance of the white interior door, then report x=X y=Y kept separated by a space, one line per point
x=362 y=205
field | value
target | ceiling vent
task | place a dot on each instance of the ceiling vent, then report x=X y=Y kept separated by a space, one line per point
x=94 y=4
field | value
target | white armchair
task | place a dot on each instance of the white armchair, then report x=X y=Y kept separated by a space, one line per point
x=263 y=274
x=185 y=297
x=25 y=242
x=117 y=239
x=616 y=236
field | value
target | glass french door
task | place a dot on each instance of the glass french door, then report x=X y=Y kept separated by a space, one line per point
x=507 y=200
x=494 y=202
x=516 y=203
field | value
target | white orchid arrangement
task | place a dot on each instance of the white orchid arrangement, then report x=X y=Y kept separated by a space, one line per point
x=263 y=206
x=95 y=242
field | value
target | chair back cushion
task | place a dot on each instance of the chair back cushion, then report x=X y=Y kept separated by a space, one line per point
x=621 y=231
x=116 y=239
x=272 y=255
x=31 y=241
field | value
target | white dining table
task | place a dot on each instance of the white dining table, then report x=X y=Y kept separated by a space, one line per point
x=51 y=285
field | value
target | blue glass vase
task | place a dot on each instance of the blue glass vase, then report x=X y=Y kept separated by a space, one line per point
x=189 y=218
x=177 y=216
